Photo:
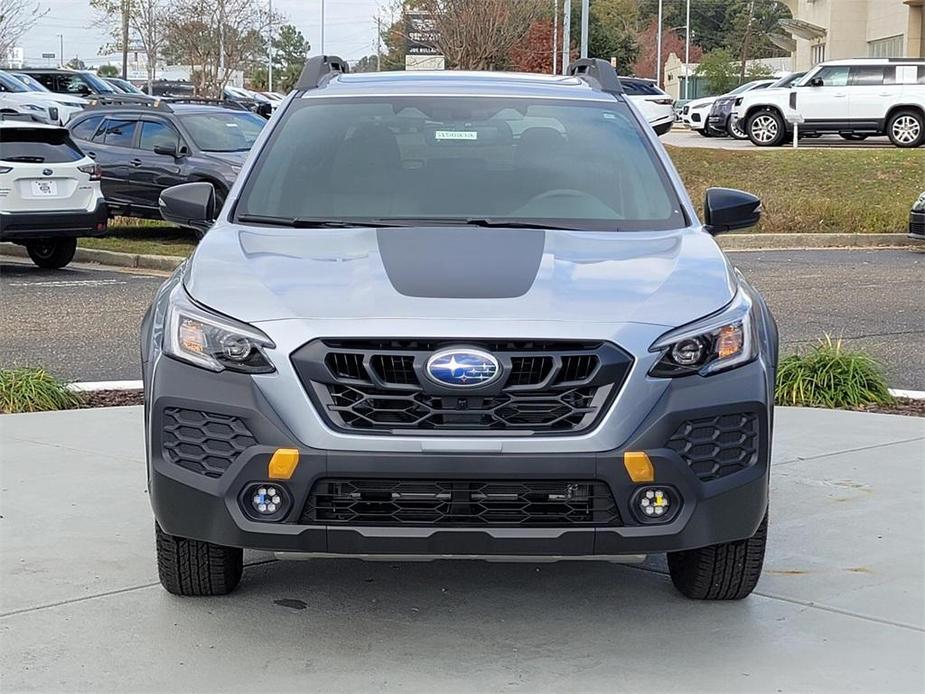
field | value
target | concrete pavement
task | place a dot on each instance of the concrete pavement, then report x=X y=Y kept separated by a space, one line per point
x=840 y=607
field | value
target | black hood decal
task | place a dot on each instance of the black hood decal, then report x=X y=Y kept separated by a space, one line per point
x=461 y=262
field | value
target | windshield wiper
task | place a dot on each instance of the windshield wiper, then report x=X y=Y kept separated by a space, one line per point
x=469 y=221
x=313 y=222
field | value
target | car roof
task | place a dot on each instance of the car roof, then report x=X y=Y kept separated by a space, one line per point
x=875 y=61
x=458 y=83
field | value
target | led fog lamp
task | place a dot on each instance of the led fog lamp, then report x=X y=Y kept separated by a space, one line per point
x=266 y=501
x=655 y=504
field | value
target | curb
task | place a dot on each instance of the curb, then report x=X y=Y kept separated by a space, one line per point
x=730 y=242
x=93 y=386
x=138 y=261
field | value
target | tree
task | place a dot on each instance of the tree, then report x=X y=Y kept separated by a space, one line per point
x=290 y=50
x=534 y=52
x=107 y=70
x=215 y=38
x=147 y=21
x=76 y=63
x=366 y=64
x=479 y=35
x=671 y=43
x=16 y=18
x=612 y=31
x=395 y=43
x=719 y=69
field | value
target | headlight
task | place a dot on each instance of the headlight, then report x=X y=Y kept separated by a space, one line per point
x=33 y=107
x=709 y=345
x=919 y=205
x=212 y=341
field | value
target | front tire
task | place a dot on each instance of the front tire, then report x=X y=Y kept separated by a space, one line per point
x=52 y=254
x=727 y=571
x=704 y=132
x=766 y=129
x=906 y=128
x=734 y=131
x=192 y=567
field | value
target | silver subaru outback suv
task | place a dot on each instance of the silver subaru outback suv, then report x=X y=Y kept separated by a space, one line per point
x=459 y=315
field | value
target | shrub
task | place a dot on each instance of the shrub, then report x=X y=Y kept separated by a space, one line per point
x=34 y=390
x=831 y=376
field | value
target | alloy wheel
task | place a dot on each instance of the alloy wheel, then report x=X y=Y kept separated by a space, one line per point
x=906 y=129
x=764 y=128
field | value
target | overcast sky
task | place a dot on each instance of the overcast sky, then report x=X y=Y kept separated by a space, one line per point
x=350 y=28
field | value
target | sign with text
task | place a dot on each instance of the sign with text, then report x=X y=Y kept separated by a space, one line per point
x=420 y=34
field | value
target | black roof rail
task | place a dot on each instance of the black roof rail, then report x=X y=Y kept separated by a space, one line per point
x=204 y=101
x=319 y=70
x=160 y=103
x=97 y=100
x=598 y=73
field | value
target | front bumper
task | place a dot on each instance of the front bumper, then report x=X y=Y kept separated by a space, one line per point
x=191 y=504
x=917 y=225
x=28 y=226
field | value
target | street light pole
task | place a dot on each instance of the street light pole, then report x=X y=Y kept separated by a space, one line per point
x=322 y=27
x=658 y=49
x=687 y=53
x=555 y=36
x=60 y=50
x=270 y=49
x=566 y=33
x=584 y=27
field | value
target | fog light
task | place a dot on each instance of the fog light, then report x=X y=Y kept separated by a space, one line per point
x=655 y=504
x=265 y=501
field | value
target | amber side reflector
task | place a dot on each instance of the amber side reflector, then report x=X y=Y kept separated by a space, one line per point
x=283 y=464
x=638 y=466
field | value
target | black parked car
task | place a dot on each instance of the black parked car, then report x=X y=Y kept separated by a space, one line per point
x=143 y=149
x=77 y=82
x=917 y=219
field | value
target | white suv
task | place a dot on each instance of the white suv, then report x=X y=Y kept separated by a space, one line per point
x=851 y=98
x=49 y=191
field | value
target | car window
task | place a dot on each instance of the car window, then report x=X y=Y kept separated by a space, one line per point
x=117 y=132
x=158 y=134
x=11 y=84
x=835 y=76
x=639 y=88
x=73 y=84
x=38 y=146
x=223 y=132
x=865 y=75
x=47 y=80
x=84 y=129
x=583 y=165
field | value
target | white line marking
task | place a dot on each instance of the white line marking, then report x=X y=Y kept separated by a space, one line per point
x=68 y=283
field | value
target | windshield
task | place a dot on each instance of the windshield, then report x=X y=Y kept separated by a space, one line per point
x=407 y=160
x=8 y=83
x=745 y=87
x=787 y=80
x=29 y=82
x=223 y=132
x=98 y=85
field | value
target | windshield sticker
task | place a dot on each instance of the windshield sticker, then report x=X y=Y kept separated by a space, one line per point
x=457 y=135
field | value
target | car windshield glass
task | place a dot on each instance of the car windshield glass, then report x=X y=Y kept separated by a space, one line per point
x=744 y=87
x=38 y=146
x=223 y=132
x=9 y=83
x=786 y=80
x=575 y=164
x=98 y=85
x=30 y=83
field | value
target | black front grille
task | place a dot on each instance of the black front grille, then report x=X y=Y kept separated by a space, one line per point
x=204 y=442
x=548 y=503
x=380 y=386
x=714 y=447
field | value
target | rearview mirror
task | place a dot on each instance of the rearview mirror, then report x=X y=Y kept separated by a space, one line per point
x=189 y=205
x=166 y=150
x=816 y=82
x=727 y=209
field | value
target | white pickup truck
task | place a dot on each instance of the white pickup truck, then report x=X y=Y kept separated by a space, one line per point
x=852 y=98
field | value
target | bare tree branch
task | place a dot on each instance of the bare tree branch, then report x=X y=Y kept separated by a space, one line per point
x=16 y=18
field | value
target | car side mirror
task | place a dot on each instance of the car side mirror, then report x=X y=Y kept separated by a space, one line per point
x=727 y=209
x=166 y=150
x=189 y=205
x=816 y=82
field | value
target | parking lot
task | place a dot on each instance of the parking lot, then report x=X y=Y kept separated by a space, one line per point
x=82 y=322
x=680 y=136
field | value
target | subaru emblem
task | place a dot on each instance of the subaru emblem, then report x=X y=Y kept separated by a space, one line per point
x=464 y=368
x=47 y=172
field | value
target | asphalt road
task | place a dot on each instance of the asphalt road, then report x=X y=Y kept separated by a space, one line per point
x=82 y=323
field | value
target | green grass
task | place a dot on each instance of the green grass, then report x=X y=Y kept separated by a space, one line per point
x=831 y=376
x=806 y=191
x=815 y=190
x=34 y=390
x=147 y=236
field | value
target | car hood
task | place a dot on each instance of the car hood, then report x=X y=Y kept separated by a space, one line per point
x=765 y=93
x=658 y=278
x=700 y=103
x=38 y=98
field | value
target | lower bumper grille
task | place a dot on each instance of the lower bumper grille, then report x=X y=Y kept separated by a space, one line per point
x=204 y=442
x=450 y=503
x=714 y=447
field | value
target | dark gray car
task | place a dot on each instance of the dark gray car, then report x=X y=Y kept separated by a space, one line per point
x=143 y=150
x=459 y=314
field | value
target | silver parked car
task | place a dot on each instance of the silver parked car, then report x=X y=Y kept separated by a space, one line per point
x=459 y=314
